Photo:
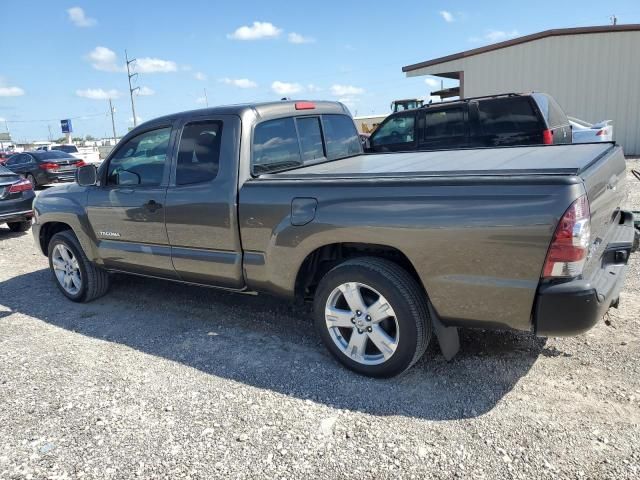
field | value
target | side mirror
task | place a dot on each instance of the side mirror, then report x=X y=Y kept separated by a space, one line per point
x=87 y=175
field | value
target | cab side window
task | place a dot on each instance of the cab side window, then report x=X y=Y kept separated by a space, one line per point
x=199 y=152
x=444 y=123
x=141 y=160
x=396 y=130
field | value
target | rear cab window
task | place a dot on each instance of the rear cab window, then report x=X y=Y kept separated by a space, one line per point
x=498 y=116
x=291 y=142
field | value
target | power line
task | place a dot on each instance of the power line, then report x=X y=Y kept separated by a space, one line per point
x=93 y=115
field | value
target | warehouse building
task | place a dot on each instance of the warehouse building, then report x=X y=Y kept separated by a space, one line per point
x=593 y=72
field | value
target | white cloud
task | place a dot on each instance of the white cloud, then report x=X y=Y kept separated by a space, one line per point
x=448 y=16
x=346 y=90
x=79 y=18
x=97 y=93
x=239 y=82
x=201 y=100
x=11 y=91
x=105 y=59
x=200 y=76
x=297 y=38
x=257 y=31
x=493 y=36
x=313 y=88
x=138 y=119
x=498 y=35
x=432 y=82
x=154 y=65
x=145 y=92
x=284 y=88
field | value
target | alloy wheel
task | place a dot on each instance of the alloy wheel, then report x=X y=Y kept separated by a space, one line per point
x=66 y=269
x=362 y=323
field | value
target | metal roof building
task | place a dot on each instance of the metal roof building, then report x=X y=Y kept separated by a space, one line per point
x=593 y=72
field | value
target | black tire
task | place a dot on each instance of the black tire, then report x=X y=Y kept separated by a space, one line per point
x=19 y=226
x=94 y=280
x=33 y=181
x=402 y=292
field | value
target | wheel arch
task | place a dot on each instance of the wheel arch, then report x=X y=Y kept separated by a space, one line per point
x=317 y=263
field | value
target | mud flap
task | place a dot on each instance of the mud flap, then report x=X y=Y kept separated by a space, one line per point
x=448 y=337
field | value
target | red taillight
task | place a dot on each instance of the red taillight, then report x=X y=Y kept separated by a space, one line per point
x=22 y=186
x=49 y=166
x=547 y=137
x=80 y=163
x=600 y=132
x=305 y=105
x=570 y=244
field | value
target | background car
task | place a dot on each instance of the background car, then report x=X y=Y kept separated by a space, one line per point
x=43 y=167
x=585 y=132
x=493 y=121
x=4 y=156
x=16 y=200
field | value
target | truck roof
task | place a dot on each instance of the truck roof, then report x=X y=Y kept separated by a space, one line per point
x=264 y=109
x=542 y=160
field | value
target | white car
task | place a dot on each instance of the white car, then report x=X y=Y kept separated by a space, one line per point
x=585 y=132
x=88 y=154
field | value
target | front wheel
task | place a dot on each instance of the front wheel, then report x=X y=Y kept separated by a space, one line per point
x=372 y=316
x=77 y=278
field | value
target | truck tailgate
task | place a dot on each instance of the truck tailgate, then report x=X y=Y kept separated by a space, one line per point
x=605 y=183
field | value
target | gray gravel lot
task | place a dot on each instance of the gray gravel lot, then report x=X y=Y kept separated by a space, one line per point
x=159 y=380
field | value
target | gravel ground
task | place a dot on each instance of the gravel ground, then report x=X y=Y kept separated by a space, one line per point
x=158 y=380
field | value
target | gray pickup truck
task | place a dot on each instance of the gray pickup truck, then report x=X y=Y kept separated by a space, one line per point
x=390 y=248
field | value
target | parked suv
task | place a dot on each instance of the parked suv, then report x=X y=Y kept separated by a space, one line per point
x=501 y=120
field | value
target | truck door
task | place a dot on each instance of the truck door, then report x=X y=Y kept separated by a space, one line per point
x=127 y=209
x=201 y=205
x=396 y=134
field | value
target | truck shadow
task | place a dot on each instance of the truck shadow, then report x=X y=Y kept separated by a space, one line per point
x=267 y=343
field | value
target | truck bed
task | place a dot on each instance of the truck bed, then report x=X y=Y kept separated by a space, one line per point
x=534 y=160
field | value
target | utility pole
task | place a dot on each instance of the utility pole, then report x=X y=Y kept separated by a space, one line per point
x=131 y=90
x=206 y=100
x=113 y=123
x=50 y=136
x=614 y=19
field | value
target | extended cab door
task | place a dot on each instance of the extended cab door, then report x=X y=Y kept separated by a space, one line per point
x=201 y=211
x=127 y=209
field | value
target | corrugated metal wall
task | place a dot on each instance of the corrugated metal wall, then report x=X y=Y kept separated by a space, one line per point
x=594 y=77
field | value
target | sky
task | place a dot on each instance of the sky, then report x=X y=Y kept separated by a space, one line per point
x=64 y=60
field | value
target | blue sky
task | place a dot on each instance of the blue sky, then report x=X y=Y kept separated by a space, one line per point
x=61 y=60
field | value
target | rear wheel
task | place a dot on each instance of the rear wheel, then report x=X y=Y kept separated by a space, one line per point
x=77 y=278
x=19 y=226
x=372 y=316
x=33 y=180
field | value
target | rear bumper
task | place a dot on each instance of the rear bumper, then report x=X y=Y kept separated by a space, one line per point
x=17 y=209
x=21 y=216
x=574 y=307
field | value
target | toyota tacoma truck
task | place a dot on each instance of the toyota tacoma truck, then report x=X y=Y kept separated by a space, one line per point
x=392 y=249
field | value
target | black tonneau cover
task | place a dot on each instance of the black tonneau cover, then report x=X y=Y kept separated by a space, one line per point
x=536 y=160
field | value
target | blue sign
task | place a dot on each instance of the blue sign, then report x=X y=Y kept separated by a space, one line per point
x=66 y=126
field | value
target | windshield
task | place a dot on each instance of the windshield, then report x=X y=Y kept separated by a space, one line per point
x=51 y=155
x=66 y=148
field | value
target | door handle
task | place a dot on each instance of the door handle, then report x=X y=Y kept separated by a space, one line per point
x=152 y=206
